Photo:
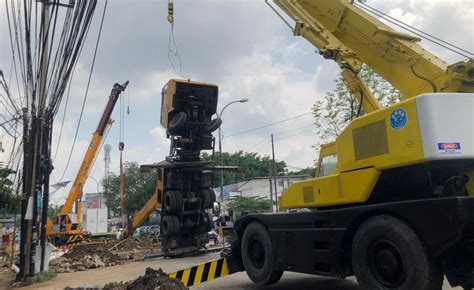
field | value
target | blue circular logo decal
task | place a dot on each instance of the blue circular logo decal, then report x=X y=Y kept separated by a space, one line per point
x=398 y=119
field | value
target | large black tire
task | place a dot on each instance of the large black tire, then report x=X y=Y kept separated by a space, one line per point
x=214 y=125
x=257 y=255
x=206 y=198
x=206 y=223
x=170 y=225
x=212 y=195
x=173 y=201
x=173 y=179
x=387 y=254
x=177 y=121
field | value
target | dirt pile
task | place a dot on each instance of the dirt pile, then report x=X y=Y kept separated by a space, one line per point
x=132 y=244
x=84 y=257
x=153 y=279
x=7 y=277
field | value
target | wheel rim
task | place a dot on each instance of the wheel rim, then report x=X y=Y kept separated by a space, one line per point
x=386 y=263
x=256 y=253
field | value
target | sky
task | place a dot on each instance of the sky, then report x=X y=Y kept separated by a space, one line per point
x=240 y=45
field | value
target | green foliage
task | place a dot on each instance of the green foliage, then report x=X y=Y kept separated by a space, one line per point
x=251 y=164
x=339 y=107
x=253 y=204
x=53 y=209
x=308 y=171
x=8 y=200
x=138 y=188
x=45 y=276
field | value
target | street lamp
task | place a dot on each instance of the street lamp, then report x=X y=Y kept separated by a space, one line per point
x=220 y=144
x=97 y=206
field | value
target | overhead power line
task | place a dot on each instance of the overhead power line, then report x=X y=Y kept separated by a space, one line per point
x=86 y=92
x=436 y=40
x=268 y=125
x=294 y=129
x=292 y=135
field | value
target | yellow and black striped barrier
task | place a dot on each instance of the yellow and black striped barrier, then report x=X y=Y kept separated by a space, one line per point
x=203 y=272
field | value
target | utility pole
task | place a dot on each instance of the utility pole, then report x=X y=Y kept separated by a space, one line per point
x=25 y=200
x=270 y=181
x=274 y=173
x=47 y=168
x=121 y=147
x=221 y=181
x=34 y=179
x=37 y=131
x=39 y=156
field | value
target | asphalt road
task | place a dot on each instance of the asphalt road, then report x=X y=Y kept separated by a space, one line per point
x=288 y=281
x=130 y=271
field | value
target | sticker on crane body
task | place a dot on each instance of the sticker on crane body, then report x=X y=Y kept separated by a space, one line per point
x=449 y=148
x=398 y=119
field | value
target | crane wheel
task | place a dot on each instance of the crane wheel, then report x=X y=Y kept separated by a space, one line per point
x=206 y=222
x=173 y=201
x=206 y=198
x=387 y=254
x=214 y=125
x=177 y=121
x=173 y=180
x=257 y=255
x=212 y=195
x=170 y=225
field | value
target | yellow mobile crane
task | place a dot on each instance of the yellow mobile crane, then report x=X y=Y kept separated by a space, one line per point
x=393 y=200
x=65 y=227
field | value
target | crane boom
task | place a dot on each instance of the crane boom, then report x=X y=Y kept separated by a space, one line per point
x=347 y=34
x=91 y=153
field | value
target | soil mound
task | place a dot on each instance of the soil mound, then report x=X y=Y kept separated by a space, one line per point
x=131 y=244
x=153 y=279
x=85 y=257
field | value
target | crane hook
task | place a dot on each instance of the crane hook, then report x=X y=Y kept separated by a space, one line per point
x=170 y=12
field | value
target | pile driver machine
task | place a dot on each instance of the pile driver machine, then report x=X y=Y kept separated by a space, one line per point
x=183 y=190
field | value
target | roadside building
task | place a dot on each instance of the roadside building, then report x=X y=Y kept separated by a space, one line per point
x=257 y=187
x=94 y=218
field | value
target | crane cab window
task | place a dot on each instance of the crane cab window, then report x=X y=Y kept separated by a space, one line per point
x=328 y=165
x=55 y=220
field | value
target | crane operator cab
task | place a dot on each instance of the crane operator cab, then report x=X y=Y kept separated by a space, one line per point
x=414 y=149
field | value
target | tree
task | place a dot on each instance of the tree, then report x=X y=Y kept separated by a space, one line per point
x=241 y=205
x=339 y=107
x=308 y=171
x=8 y=200
x=138 y=188
x=53 y=209
x=251 y=164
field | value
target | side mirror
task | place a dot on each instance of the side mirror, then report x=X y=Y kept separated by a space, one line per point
x=216 y=209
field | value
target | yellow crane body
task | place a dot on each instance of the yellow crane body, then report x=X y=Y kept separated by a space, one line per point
x=370 y=145
x=153 y=204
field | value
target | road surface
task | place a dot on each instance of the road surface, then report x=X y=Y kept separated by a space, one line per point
x=99 y=277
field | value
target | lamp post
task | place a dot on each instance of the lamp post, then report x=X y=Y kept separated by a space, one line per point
x=220 y=145
x=97 y=206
